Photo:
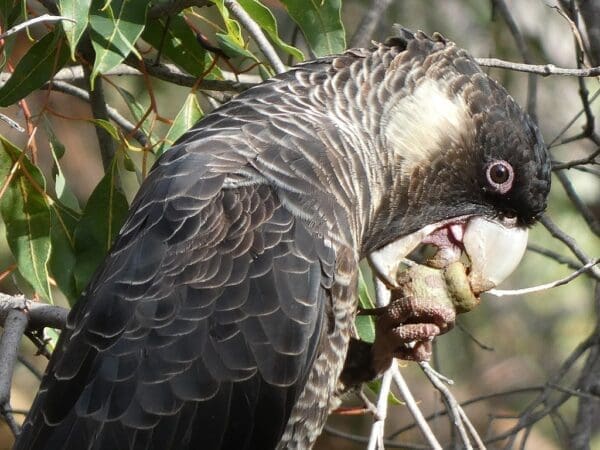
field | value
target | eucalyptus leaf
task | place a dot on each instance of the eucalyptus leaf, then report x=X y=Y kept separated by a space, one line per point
x=115 y=27
x=36 y=67
x=263 y=17
x=188 y=115
x=176 y=41
x=321 y=24
x=62 y=260
x=102 y=219
x=26 y=215
x=78 y=11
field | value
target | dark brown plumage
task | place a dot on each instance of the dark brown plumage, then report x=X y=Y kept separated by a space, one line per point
x=222 y=315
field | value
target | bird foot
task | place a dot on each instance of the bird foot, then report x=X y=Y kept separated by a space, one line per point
x=423 y=306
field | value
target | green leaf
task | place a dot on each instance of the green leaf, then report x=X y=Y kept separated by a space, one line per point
x=263 y=16
x=365 y=325
x=102 y=218
x=63 y=192
x=188 y=115
x=321 y=24
x=26 y=215
x=115 y=27
x=178 y=43
x=375 y=387
x=10 y=10
x=77 y=10
x=137 y=110
x=62 y=260
x=232 y=26
x=37 y=66
x=232 y=48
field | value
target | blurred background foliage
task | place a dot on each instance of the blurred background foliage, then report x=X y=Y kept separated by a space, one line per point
x=67 y=179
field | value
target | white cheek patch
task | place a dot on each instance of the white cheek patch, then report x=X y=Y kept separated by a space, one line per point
x=418 y=123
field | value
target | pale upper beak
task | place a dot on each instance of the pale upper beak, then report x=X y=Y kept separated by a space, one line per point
x=493 y=248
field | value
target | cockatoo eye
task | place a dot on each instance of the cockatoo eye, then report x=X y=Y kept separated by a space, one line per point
x=500 y=176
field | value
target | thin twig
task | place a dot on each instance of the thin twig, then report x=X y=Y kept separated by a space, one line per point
x=172 y=74
x=532 y=414
x=40 y=19
x=572 y=121
x=414 y=409
x=544 y=70
x=504 y=10
x=11 y=123
x=557 y=233
x=583 y=209
x=591 y=159
x=127 y=127
x=252 y=27
x=365 y=440
x=454 y=408
x=543 y=287
x=376 y=436
x=375 y=11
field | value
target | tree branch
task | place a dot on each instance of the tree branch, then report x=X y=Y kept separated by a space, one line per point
x=39 y=315
x=543 y=70
x=15 y=323
x=364 y=33
x=252 y=27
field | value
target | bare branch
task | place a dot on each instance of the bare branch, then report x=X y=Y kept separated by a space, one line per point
x=11 y=123
x=172 y=74
x=543 y=287
x=364 y=33
x=588 y=408
x=263 y=44
x=127 y=127
x=591 y=159
x=544 y=70
x=568 y=241
x=100 y=111
x=501 y=6
x=376 y=437
x=14 y=327
x=458 y=416
x=44 y=18
x=585 y=212
x=414 y=409
x=39 y=314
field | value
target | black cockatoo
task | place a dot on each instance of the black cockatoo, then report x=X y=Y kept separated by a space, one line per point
x=222 y=316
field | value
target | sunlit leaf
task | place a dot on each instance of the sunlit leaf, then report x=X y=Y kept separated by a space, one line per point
x=263 y=16
x=78 y=11
x=321 y=24
x=26 y=215
x=187 y=116
x=115 y=27
x=102 y=218
x=37 y=66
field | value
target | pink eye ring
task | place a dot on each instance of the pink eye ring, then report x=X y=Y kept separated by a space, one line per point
x=500 y=176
